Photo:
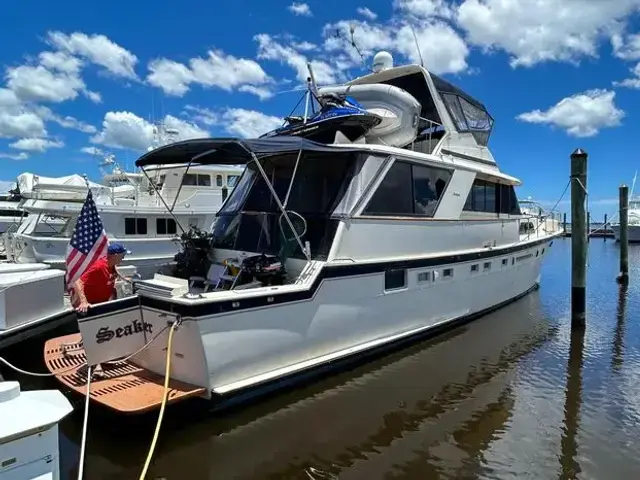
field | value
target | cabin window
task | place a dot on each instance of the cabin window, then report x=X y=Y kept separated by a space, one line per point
x=395 y=279
x=474 y=268
x=490 y=197
x=232 y=180
x=10 y=213
x=447 y=273
x=505 y=262
x=218 y=180
x=409 y=189
x=487 y=266
x=196 y=179
x=165 y=226
x=135 y=226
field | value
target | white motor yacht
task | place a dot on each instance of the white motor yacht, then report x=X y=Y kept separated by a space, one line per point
x=324 y=252
x=633 y=229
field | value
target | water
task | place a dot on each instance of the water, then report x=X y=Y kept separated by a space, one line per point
x=512 y=395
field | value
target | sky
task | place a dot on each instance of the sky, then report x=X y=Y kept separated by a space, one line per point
x=556 y=75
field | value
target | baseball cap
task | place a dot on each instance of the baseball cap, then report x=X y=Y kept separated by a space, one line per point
x=116 y=248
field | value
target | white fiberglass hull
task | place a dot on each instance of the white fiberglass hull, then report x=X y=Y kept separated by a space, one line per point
x=343 y=311
x=633 y=232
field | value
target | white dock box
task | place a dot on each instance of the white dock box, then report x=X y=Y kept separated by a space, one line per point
x=29 y=292
x=29 y=432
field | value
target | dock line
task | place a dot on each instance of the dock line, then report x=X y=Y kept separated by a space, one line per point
x=85 y=425
x=165 y=395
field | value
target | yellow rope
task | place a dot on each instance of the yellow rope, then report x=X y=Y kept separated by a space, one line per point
x=164 y=403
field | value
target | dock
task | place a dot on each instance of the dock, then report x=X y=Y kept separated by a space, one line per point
x=596 y=230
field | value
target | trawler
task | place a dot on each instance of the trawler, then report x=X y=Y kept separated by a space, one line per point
x=323 y=253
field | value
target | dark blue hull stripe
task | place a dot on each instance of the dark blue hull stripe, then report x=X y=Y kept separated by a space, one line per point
x=328 y=271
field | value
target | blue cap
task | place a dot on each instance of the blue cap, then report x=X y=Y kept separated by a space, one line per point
x=116 y=248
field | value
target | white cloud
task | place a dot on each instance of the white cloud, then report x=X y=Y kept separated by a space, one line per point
x=65 y=122
x=37 y=83
x=236 y=121
x=18 y=156
x=36 y=144
x=425 y=8
x=93 y=151
x=127 y=130
x=625 y=46
x=365 y=12
x=95 y=97
x=97 y=49
x=249 y=123
x=580 y=115
x=271 y=49
x=8 y=98
x=61 y=61
x=301 y=9
x=534 y=31
x=633 y=82
x=217 y=70
x=442 y=49
x=262 y=93
x=20 y=123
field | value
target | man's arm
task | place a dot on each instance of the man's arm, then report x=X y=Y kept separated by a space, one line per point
x=78 y=288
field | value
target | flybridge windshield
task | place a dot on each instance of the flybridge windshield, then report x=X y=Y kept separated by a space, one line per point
x=251 y=220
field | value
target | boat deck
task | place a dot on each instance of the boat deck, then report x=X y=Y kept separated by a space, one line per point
x=121 y=386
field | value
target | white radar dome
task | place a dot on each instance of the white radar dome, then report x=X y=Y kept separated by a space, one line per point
x=382 y=61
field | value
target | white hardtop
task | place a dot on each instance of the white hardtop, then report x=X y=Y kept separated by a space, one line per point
x=23 y=413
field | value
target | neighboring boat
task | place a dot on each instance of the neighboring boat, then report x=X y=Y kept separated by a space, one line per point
x=338 y=113
x=147 y=211
x=633 y=228
x=321 y=254
x=538 y=217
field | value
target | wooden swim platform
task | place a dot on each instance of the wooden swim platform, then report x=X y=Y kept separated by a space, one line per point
x=121 y=386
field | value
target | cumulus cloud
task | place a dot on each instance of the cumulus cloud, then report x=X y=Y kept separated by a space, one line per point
x=300 y=9
x=580 y=115
x=235 y=121
x=36 y=144
x=368 y=14
x=216 y=70
x=128 y=131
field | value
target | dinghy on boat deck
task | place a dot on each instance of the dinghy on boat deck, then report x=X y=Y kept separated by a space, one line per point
x=398 y=109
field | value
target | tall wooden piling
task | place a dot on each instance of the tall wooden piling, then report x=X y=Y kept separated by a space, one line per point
x=564 y=222
x=578 y=238
x=623 y=277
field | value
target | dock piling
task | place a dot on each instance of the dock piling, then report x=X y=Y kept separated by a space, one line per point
x=588 y=225
x=578 y=238
x=564 y=222
x=605 y=228
x=623 y=277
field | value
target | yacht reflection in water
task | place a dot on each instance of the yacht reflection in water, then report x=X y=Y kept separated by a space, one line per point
x=428 y=410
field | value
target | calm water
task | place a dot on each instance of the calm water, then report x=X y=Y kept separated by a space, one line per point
x=512 y=395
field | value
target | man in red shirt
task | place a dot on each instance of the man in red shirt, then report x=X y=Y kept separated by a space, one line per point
x=97 y=284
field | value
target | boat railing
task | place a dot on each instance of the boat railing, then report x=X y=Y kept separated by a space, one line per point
x=428 y=141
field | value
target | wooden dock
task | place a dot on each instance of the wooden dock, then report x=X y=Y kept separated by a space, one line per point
x=595 y=231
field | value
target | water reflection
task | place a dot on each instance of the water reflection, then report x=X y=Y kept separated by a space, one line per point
x=618 y=338
x=573 y=399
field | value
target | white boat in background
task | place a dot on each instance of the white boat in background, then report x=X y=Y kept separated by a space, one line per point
x=147 y=212
x=538 y=217
x=323 y=252
x=633 y=229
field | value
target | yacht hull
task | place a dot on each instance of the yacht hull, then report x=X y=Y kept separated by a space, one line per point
x=633 y=233
x=344 y=315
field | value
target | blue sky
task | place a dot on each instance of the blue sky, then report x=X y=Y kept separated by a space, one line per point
x=555 y=74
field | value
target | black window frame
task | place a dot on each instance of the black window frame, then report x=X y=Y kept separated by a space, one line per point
x=392 y=279
x=164 y=226
x=404 y=173
x=135 y=226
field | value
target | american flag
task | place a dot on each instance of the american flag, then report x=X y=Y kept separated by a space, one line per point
x=88 y=243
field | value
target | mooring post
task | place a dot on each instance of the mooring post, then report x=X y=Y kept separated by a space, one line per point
x=623 y=277
x=578 y=238
x=605 y=228
x=564 y=222
x=588 y=224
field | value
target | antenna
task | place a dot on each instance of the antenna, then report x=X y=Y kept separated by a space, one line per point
x=415 y=39
x=352 y=41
